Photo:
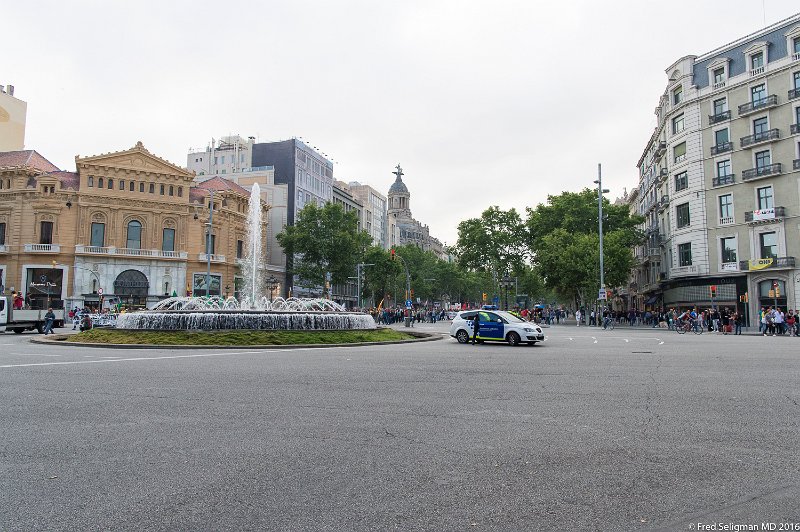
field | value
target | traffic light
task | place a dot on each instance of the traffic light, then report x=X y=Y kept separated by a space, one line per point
x=713 y=290
x=412 y=293
x=392 y=254
x=777 y=288
x=484 y=296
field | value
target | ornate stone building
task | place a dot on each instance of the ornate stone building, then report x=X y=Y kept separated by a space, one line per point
x=402 y=227
x=125 y=226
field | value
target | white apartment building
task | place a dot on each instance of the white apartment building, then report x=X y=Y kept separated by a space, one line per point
x=374 y=216
x=719 y=179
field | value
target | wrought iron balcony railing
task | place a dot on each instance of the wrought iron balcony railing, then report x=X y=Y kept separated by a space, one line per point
x=765 y=214
x=762 y=171
x=721 y=148
x=795 y=129
x=794 y=93
x=723 y=180
x=759 y=138
x=757 y=105
x=720 y=117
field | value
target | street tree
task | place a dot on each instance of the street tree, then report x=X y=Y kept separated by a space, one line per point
x=493 y=243
x=324 y=240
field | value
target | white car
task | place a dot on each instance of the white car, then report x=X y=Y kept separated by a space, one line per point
x=496 y=326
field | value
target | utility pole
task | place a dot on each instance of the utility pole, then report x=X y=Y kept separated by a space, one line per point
x=600 y=192
x=359 y=266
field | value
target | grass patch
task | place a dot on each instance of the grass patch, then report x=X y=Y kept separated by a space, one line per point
x=116 y=336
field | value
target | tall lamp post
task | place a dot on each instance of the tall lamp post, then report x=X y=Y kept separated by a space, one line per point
x=359 y=268
x=600 y=192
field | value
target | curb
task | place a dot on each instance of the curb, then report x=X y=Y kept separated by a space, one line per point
x=59 y=339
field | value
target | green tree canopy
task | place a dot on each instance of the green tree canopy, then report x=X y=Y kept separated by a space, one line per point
x=492 y=243
x=324 y=239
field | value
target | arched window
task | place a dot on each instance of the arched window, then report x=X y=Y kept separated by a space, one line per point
x=110 y=183
x=152 y=188
x=171 y=190
x=99 y=182
x=131 y=186
x=141 y=187
x=134 y=235
x=180 y=192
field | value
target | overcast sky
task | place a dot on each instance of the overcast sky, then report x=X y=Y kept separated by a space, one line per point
x=482 y=103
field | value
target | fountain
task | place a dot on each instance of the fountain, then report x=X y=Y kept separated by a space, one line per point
x=254 y=311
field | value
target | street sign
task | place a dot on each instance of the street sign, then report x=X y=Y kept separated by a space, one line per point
x=496 y=300
x=99 y=291
x=602 y=294
x=409 y=303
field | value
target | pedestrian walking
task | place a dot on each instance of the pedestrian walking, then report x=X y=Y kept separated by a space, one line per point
x=49 y=319
x=476 y=327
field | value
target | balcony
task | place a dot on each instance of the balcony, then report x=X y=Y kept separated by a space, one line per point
x=795 y=129
x=794 y=93
x=723 y=180
x=3 y=248
x=719 y=85
x=758 y=105
x=727 y=220
x=663 y=202
x=756 y=71
x=760 y=138
x=214 y=258
x=653 y=252
x=765 y=214
x=663 y=174
x=796 y=56
x=652 y=229
x=42 y=248
x=129 y=252
x=663 y=276
x=763 y=264
x=796 y=164
x=661 y=149
x=684 y=270
x=764 y=171
x=721 y=148
x=729 y=267
x=721 y=117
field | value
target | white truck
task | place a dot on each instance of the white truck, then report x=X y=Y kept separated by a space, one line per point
x=24 y=320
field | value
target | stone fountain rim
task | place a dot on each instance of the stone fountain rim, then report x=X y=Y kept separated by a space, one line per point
x=249 y=311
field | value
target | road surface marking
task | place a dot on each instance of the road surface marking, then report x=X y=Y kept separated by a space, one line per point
x=198 y=355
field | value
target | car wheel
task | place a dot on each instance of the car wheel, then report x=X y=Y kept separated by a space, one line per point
x=18 y=331
x=462 y=337
x=513 y=338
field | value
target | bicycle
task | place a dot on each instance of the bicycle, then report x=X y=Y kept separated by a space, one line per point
x=608 y=324
x=689 y=325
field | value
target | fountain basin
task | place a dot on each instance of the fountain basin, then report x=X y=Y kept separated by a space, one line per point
x=219 y=320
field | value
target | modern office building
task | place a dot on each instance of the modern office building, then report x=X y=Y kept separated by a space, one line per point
x=226 y=156
x=13 y=112
x=719 y=179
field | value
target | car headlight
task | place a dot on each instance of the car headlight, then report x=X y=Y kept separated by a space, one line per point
x=528 y=329
x=538 y=330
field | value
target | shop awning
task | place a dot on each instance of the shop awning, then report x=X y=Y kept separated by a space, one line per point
x=651 y=300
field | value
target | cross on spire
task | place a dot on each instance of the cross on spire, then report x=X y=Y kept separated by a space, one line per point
x=399 y=172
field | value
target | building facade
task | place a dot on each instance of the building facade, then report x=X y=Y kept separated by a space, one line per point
x=375 y=216
x=403 y=229
x=13 y=113
x=719 y=179
x=125 y=226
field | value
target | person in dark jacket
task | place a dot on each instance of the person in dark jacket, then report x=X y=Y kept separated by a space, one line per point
x=49 y=319
x=476 y=327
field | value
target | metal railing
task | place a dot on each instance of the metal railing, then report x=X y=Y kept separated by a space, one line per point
x=758 y=138
x=755 y=105
x=777 y=262
x=794 y=93
x=724 y=115
x=722 y=180
x=763 y=171
x=780 y=212
x=756 y=71
x=795 y=129
x=719 y=85
x=721 y=148
x=727 y=220
x=796 y=164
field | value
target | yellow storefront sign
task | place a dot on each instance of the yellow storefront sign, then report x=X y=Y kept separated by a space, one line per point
x=760 y=264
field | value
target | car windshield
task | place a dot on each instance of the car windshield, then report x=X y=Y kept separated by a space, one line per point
x=510 y=317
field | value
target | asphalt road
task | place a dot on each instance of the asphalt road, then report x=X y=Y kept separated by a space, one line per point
x=592 y=430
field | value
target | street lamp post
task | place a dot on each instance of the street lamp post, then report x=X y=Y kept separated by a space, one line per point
x=208 y=242
x=600 y=192
x=359 y=267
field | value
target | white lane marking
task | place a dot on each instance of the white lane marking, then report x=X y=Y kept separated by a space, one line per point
x=626 y=340
x=199 y=355
x=32 y=355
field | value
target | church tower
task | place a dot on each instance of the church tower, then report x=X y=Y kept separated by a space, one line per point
x=399 y=197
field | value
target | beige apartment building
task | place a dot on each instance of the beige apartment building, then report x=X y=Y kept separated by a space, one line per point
x=125 y=226
x=720 y=179
x=13 y=112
